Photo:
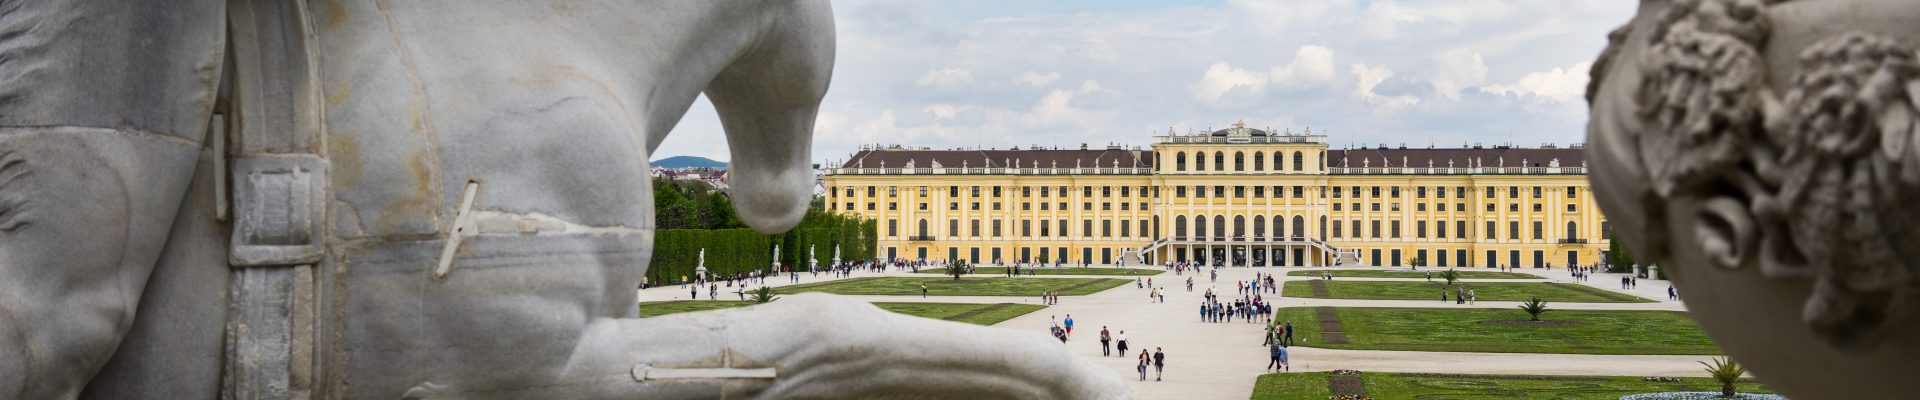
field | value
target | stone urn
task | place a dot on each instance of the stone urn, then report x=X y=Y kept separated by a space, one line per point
x=1766 y=154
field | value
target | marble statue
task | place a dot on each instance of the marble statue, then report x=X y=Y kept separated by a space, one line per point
x=1766 y=154
x=347 y=199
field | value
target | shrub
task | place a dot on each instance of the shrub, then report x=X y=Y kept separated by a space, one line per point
x=1727 y=372
x=1534 y=307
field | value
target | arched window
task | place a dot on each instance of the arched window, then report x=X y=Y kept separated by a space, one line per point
x=1259 y=161
x=923 y=228
x=1219 y=226
x=1299 y=226
x=1179 y=227
x=1220 y=160
x=1239 y=226
x=1239 y=161
x=1299 y=161
x=1200 y=161
x=1200 y=226
x=1323 y=229
x=1259 y=224
x=1573 y=230
x=1180 y=161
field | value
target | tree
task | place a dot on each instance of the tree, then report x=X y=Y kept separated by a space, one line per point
x=764 y=295
x=1417 y=262
x=1617 y=258
x=1726 y=371
x=1534 y=307
x=1450 y=275
x=957 y=268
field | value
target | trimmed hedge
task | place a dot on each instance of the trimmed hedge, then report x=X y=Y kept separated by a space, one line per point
x=676 y=252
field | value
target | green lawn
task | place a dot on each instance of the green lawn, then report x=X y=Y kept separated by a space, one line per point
x=1440 y=329
x=1313 y=385
x=1421 y=274
x=978 y=314
x=1489 y=291
x=946 y=286
x=1001 y=271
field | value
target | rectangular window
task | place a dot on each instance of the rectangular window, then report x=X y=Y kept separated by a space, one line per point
x=1106 y=206
x=953 y=227
x=1123 y=206
x=1440 y=192
x=1336 y=206
x=1043 y=206
x=893 y=227
x=1200 y=191
x=1460 y=207
x=870 y=191
x=1123 y=229
x=1356 y=192
x=1336 y=194
x=1239 y=191
x=1106 y=228
x=1043 y=191
x=1460 y=191
x=976 y=206
x=1063 y=206
x=1375 y=229
x=1026 y=228
x=953 y=206
x=1355 y=225
x=893 y=191
x=1420 y=229
x=1570 y=208
x=1026 y=191
x=1536 y=207
x=923 y=206
x=1261 y=191
x=1086 y=191
x=1219 y=191
x=1460 y=230
x=1513 y=230
x=1297 y=190
x=996 y=191
x=1336 y=230
x=1420 y=207
x=1180 y=192
x=1026 y=206
x=996 y=206
x=1125 y=189
x=1490 y=230
x=1396 y=192
x=1489 y=207
x=996 y=228
x=1536 y=192
x=1513 y=192
x=976 y=192
x=1376 y=192
x=1374 y=206
x=1106 y=191
x=1491 y=193
x=1396 y=228
x=1044 y=232
x=1086 y=206
x=1420 y=192
x=1538 y=233
x=1573 y=192
x=973 y=229
x=1063 y=228
x=893 y=206
x=1515 y=207
x=1440 y=229
x=1086 y=227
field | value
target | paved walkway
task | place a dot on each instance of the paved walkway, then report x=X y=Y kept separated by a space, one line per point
x=1221 y=361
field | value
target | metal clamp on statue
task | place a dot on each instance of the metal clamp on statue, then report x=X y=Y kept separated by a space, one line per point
x=346 y=199
x=1767 y=152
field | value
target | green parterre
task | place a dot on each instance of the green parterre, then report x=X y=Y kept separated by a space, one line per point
x=999 y=271
x=1489 y=330
x=1412 y=274
x=978 y=314
x=945 y=286
x=1314 y=385
x=1483 y=291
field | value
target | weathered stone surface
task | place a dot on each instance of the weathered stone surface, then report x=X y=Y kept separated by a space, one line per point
x=432 y=199
x=1764 y=151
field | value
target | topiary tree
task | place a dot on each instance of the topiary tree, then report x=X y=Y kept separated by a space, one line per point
x=1534 y=307
x=1727 y=372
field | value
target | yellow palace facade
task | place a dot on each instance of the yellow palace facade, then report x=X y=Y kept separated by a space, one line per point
x=1233 y=197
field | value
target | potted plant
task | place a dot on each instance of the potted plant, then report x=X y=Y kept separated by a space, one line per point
x=1534 y=307
x=1727 y=371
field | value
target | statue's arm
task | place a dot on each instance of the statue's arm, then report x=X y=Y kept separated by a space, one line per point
x=824 y=346
x=103 y=108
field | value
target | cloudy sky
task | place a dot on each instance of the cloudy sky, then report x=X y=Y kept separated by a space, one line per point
x=998 y=74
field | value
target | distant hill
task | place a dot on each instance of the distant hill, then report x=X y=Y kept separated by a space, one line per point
x=688 y=162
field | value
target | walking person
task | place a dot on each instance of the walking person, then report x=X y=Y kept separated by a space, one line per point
x=1105 y=340
x=1159 y=364
x=923 y=290
x=1289 y=331
x=1279 y=360
x=1471 y=297
x=1120 y=342
x=1144 y=360
x=1069 y=324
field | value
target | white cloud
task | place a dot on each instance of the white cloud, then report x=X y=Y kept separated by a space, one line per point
x=1038 y=80
x=1311 y=65
x=1456 y=70
x=943 y=110
x=1091 y=86
x=1222 y=80
x=1370 y=77
x=1558 y=84
x=945 y=78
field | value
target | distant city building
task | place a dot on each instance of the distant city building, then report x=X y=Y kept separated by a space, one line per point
x=717 y=177
x=1238 y=196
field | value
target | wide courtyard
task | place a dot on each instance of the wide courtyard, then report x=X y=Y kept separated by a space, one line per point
x=1596 y=341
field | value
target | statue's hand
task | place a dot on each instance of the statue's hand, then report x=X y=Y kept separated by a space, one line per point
x=824 y=346
x=833 y=347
